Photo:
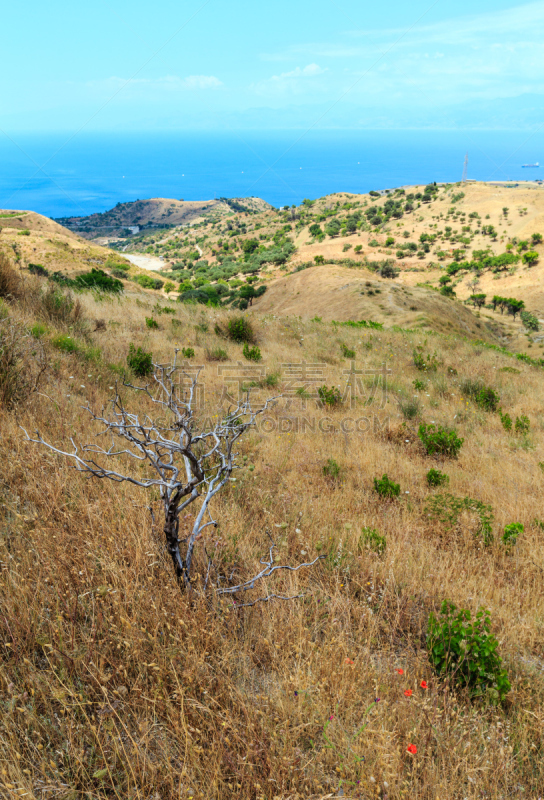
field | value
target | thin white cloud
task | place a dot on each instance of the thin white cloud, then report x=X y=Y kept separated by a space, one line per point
x=309 y=71
x=166 y=83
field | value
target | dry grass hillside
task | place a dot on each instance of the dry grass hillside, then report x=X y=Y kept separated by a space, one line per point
x=339 y=293
x=115 y=683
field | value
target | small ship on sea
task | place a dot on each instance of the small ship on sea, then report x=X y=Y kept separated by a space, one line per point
x=530 y=166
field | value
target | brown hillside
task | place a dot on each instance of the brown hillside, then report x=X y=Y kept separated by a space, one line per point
x=339 y=293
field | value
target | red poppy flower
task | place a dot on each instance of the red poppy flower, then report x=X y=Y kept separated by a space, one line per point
x=412 y=749
x=408 y=692
x=349 y=661
x=424 y=685
x=400 y=671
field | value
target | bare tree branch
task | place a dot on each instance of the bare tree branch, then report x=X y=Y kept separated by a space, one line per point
x=188 y=466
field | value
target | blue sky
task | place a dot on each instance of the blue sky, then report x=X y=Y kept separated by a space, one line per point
x=176 y=65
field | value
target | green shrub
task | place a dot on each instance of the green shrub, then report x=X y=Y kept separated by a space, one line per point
x=147 y=282
x=346 y=352
x=66 y=343
x=440 y=441
x=506 y=421
x=151 y=323
x=38 y=330
x=331 y=469
x=522 y=424
x=188 y=352
x=484 y=396
x=419 y=385
x=330 y=396
x=436 y=478
x=38 y=269
x=511 y=533
x=373 y=540
x=464 y=653
x=425 y=364
x=410 y=408
x=252 y=353
x=217 y=354
x=447 y=509
x=239 y=329
x=386 y=488
x=140 y=362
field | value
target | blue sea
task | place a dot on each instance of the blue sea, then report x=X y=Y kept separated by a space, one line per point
x=71 y=175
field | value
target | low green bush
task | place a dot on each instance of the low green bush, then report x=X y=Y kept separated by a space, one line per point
x=346 y=352
x=522 y=424
x=511 y=533
x=436 y=478
x=239 y=329
x=484 y=396
x=464 y=652
x=217 y=354
x=151 y=323
x=38 y=330
x=188 y=352
x=506 y=421
x=440 y=441
x=386 y=488
x=428 y=363
x=410 y=409
x=65 y=343
x=331 y=469
x=252 y=353
x=140 y=361
x=447 y=508
x=330 y=397
x=371 y=539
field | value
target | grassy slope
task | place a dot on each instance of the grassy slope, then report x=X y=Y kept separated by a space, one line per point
x=114 y=685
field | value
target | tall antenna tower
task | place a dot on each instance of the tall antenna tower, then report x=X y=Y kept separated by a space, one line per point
x=465 y=169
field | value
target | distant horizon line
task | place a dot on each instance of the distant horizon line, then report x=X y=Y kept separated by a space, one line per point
x=134 y=132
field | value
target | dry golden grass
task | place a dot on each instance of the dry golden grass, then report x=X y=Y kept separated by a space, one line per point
x=114 y=684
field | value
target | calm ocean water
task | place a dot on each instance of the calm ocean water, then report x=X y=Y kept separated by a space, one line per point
x=58 y=176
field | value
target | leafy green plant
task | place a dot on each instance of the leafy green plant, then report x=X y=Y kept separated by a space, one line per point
x=331 y=469
x=346 y=352
x=424 y=363
x=410 y=408
x=187 y=352
x=386 y=487
x=65 y=343
x=447 y=509
x=38 y=330
x=511 y=533
x=464 y=652
x=419 y=385
x=239 y=329
x=438 y=440
x=217 y=354
x=151 y=323
x=506 y=421
x=330 y=396
x=371 y=539
x=252 y=353
x=522 y=424
x=436 y=478
x=484 y=396
x=140 y=361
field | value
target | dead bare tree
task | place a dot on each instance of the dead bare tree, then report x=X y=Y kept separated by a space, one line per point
x=186 y=465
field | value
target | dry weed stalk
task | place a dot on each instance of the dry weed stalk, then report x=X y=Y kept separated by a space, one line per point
x=187 y=465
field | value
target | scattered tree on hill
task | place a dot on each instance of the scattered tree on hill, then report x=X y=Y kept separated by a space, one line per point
x=530 y=258
x=478 y=300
